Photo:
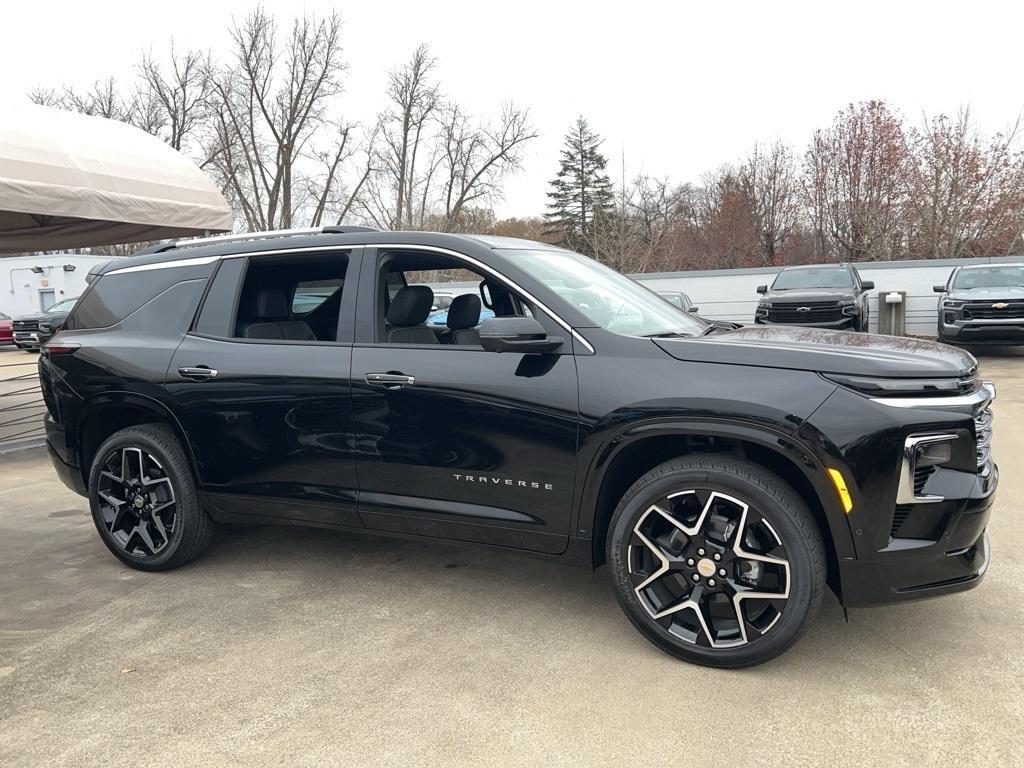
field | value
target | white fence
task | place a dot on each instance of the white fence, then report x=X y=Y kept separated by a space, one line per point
x=731 y=294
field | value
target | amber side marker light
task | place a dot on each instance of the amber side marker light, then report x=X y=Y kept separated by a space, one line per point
x=841 y=489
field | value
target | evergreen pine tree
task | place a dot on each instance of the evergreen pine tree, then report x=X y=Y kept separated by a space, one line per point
x=581 y=194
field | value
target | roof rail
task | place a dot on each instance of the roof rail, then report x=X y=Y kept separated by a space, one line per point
x=240 y=236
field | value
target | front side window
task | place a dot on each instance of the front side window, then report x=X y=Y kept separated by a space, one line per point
x=62 y=306
x=605 y=297
x=990 y=277
x=810 y=278
x=428 y=299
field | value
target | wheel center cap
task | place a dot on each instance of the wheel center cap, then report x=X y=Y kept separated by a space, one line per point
x=706 y=567
x=140 y=502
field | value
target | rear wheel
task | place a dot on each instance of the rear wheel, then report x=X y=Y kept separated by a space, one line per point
x=144 y=502
x=716 y=560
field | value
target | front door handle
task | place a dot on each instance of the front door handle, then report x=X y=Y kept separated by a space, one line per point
x=390 y=380
x=199 y=373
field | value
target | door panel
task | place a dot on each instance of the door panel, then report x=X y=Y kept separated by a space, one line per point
x=272 y=429
x=481 y=447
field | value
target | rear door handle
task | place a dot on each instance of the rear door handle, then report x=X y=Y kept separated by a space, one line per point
x=390 y=380
x=199 y=373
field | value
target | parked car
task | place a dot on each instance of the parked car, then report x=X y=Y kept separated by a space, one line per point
x=982 y=304
x=726 y=476
x=820 y=296
x=6 y=329
x=680 y=299
x=32 y=331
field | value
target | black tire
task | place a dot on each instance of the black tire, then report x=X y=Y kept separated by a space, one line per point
x=727 y=484
x=185 y=529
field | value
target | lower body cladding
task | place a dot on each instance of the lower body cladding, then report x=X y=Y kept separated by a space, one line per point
x=996 y=332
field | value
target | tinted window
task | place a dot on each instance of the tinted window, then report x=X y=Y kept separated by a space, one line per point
x=217 y=317
x=813 y=277
x=989 y=277
x=310 y=294
x=291 y=298
x=111 y=298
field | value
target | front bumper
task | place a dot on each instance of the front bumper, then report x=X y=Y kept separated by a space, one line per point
x=29 y=338
x=981 y=331
x=847 y=323
x=910 y=570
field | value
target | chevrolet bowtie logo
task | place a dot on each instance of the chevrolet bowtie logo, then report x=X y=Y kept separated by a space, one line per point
x=1000 y=305
x=803 y=309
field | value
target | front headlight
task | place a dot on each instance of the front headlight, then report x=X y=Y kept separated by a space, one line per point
x=947 y=304
x=849 y=307
x=881 y=386
x=44 y=327
x=762 y=309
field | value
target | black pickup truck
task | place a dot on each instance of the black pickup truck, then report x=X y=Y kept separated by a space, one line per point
x=821 y=296
x=726 y=475
x=32 y=331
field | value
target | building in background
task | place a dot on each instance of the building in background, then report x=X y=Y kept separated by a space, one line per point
x=33 y=283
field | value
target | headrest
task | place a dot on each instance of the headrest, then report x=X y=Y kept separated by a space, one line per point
x=271 y=304
x=411 y=306
x=464 y=312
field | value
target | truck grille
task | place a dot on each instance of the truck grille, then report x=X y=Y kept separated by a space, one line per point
x=815 y=312
x=986 y=310
x=26 y=325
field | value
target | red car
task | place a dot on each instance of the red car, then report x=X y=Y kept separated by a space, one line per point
x=6 y=329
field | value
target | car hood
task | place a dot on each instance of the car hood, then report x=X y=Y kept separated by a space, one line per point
x=813 y=349
x=43 y=316
x=797 y=296
x=986 y=294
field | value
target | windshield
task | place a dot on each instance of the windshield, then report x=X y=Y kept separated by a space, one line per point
x=608 y=299
x=813 y=277
x=990 y=277
x=62 y=306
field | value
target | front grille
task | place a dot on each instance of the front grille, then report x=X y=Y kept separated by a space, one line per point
x=983 y=436
x=986 y=310
x=26 y=325
x=815 y=312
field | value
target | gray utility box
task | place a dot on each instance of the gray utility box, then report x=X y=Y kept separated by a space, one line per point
x=892 y=313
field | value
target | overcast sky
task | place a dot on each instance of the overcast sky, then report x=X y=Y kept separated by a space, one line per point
x=678 y=88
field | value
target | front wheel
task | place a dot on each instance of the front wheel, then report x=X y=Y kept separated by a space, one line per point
x=144 y=501
x=716 y=560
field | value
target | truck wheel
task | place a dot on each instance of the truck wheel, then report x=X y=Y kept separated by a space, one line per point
x=144 y=501
x=716 y=560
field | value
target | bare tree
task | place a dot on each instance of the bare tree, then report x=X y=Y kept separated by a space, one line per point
x=965 y=194
x=854 y=182
x=770 y=176
x=267 y=105
x=181 y=97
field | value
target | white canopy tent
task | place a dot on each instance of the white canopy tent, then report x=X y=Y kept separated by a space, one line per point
x=70 y=181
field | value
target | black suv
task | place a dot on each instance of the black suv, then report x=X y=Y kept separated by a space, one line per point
x=820 y=296
x=982 y=304
x=726 y=476
x=32 y=331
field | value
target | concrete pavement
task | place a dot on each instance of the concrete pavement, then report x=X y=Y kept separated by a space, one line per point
x=304 y=647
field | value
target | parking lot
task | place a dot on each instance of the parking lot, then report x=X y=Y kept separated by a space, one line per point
x=309 y=647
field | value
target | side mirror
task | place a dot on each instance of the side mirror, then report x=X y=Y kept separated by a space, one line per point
x=693 y=310
x=939 y=288
x=762 y=289
x=517 y=334
x=868 y=285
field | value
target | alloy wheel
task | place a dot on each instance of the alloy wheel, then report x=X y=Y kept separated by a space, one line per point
x=136 y=502
x=708 y=568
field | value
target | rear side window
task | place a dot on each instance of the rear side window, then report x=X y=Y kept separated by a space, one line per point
x=218 y=314
x=111 y=298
